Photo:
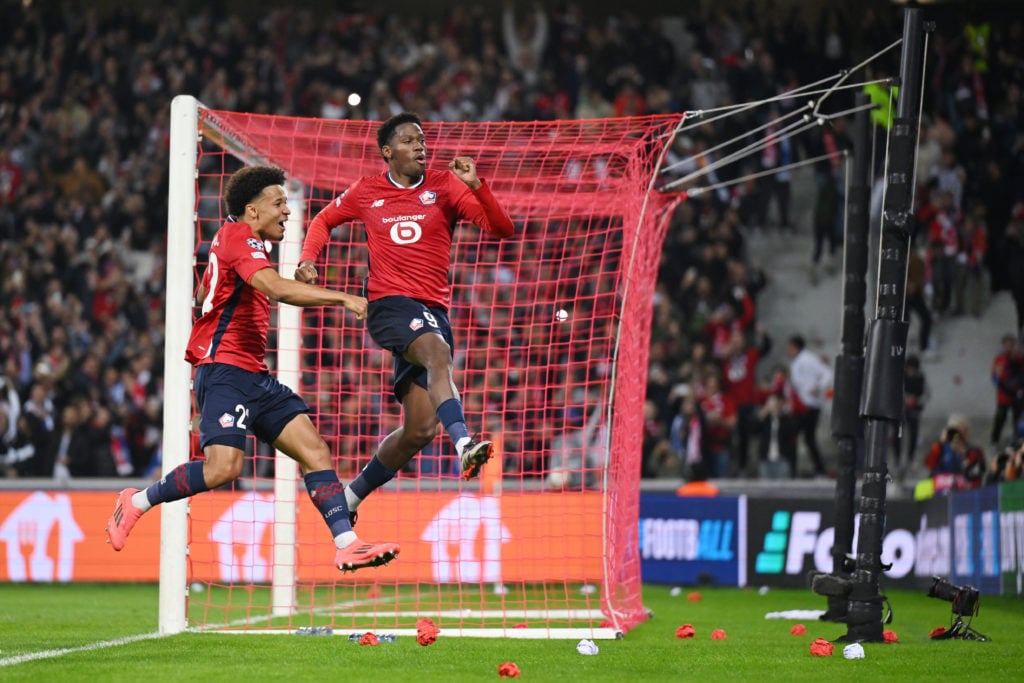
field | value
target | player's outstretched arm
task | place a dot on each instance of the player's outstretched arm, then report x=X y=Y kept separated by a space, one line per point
x=297 y=293
x=345 y=207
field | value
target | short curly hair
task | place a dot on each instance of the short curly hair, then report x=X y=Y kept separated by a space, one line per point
x=387 y=129
x=247 y=184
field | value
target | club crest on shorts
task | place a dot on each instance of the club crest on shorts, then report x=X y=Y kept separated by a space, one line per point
x=227 y=420
x=427 y=197
x=415 y=324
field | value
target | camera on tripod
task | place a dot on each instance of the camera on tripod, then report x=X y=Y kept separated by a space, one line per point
x=965 y=601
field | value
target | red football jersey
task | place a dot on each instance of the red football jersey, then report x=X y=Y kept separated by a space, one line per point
x=739 y=376
x=409 y=230
x=235 y=317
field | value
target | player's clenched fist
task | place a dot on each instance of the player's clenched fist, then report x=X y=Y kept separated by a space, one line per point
x=465 y=169
x=306 y=272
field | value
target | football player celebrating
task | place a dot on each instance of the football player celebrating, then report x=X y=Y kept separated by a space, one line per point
x=410 y=214
x=233 y=387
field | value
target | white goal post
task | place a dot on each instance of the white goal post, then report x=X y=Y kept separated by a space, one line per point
x=182 y=215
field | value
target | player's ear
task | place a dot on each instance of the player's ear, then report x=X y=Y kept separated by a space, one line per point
x=386 y=151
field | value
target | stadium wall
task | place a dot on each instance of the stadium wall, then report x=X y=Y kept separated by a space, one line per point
x=972 y=538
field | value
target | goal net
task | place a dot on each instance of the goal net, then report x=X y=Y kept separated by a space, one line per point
x=545 y=542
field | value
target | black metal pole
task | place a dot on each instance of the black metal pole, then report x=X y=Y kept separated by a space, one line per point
x=882 y=396
x=847 y=426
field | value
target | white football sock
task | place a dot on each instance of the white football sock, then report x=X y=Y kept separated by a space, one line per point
x=345 y=538
x=141 y=500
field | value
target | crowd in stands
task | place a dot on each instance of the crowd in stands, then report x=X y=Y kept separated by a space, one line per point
x=956 y=460
x=84 y=111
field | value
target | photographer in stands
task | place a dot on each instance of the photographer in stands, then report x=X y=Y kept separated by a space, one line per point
x=952 y=461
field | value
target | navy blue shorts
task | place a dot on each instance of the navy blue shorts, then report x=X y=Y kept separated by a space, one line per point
x=394 y=323
x=232 y=400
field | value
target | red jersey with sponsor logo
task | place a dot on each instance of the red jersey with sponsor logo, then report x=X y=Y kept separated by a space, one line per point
x=409 y=230
x=235 y=317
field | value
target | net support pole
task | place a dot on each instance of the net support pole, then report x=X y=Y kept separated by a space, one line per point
x=882 y=395
x=181 y=230
x=847 y=426
x=286 y=470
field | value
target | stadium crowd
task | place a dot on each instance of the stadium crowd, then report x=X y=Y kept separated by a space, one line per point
x=83 y=189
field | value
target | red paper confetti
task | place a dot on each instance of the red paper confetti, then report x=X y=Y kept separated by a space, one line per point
x=890 y=636
x=369 y=638
x=695 y=596
x=798 y=630
x=426 y=631
x=938 y=631
x=821 y=648
x=685 y=631
x=718 y=634
x=508 y=670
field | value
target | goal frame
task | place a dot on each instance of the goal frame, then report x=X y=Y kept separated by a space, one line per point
x=186 y=136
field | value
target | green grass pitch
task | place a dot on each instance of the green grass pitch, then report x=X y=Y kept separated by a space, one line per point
x=105 y=632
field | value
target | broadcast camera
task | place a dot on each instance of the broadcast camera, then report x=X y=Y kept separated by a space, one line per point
x=965 y=601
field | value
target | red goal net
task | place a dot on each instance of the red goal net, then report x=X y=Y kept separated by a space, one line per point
x=546 y=540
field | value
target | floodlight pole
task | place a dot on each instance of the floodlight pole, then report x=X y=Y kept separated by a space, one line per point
x=847 y=426
x=882 y=396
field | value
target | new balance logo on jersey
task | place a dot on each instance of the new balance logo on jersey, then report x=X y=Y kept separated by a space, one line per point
x=377 y=203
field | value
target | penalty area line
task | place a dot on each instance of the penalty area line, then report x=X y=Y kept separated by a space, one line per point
x=49 y=654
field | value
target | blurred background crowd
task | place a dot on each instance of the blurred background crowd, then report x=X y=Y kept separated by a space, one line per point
x=84 y=108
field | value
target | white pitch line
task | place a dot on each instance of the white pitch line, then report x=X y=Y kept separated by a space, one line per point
x=49 y=654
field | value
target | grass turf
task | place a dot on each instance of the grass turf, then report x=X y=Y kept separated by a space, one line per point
x=42 y=618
